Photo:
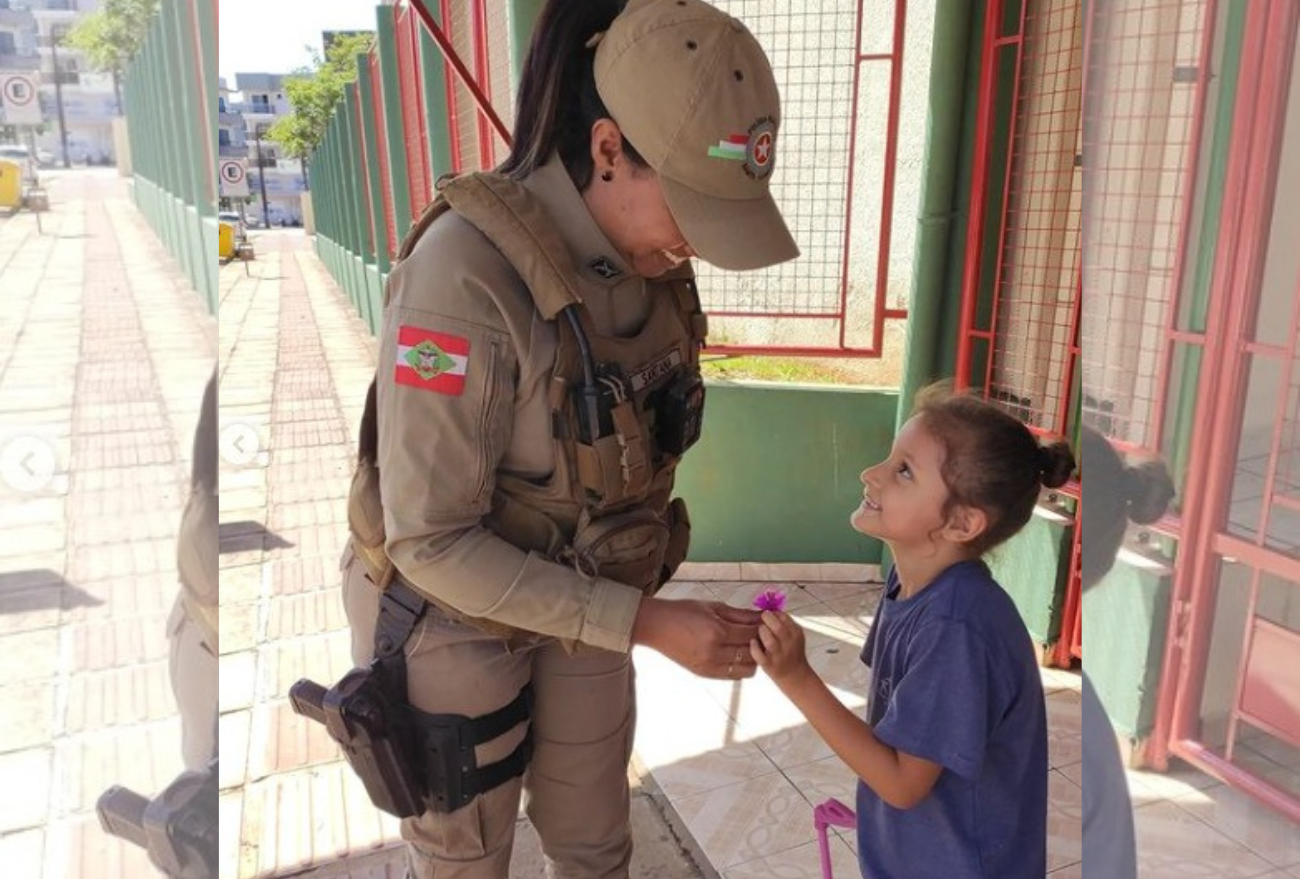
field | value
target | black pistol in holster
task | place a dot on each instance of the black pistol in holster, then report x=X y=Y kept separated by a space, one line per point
x=409 y=761
x=178 y=828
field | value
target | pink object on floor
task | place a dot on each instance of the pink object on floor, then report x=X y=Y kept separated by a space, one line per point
x=831 y=813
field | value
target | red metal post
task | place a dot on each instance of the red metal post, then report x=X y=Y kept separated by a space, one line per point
x=1019 y=42
x=1075 y=350
x=360 y=135
x=1185 y=222
x=453 y=60
x=979 y=194
x=848 y=192
x=895 y=59
x=381 y=133
x=449 y=85
x=412 y=109
x=891 y=157
x=482 y=72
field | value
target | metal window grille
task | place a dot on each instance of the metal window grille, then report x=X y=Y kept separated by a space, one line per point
x=1021 y=305
x=1149 y=63
x=1020 y=341
x=839 y=67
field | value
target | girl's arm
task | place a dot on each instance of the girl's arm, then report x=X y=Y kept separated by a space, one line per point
x=899 y=779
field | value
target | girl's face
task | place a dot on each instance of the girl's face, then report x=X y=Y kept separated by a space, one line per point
x=904 y=495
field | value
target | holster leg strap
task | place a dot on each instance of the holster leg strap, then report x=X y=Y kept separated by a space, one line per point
x=450 y=739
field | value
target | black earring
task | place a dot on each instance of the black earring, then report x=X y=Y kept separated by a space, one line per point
x=607 y=176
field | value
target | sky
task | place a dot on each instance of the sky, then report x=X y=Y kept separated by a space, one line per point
x=270 y=36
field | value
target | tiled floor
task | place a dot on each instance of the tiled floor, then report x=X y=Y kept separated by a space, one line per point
x=744 y=770
x=1190 y=825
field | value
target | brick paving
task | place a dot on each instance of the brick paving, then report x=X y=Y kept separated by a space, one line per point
x=104 y=352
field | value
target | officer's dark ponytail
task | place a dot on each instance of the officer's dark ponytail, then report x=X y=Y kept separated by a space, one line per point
x=557 y=102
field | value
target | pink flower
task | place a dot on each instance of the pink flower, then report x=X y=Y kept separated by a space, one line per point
x=773 y=600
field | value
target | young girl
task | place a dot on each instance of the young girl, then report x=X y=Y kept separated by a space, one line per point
x=952 y=756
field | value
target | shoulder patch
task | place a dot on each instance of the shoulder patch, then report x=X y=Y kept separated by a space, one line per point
x=431 y=361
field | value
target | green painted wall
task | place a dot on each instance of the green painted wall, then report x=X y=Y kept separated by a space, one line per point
x=1125 y=617
x=1033 y=567
x=775 y=474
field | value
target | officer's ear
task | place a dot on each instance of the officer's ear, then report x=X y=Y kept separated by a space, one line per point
x=606 y=146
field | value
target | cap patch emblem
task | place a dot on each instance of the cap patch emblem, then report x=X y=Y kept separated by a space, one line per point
x=760 y=150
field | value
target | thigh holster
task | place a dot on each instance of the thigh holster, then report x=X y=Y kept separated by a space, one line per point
x=409 y=760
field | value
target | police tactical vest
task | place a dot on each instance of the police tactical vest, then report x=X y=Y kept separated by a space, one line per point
x=623 y=410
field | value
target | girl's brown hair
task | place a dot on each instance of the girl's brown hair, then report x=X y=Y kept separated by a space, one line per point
x=992 y=462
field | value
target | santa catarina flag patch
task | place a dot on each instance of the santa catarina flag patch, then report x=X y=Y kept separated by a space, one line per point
x=431 y=361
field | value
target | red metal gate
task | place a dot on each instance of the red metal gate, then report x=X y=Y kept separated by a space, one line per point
x=1230 y=695
x=840 y=68
x=1021 y=298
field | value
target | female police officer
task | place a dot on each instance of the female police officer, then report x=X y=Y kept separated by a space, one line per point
x=538 y=381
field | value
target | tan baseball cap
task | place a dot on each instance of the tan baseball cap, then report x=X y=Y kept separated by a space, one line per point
x=693 y=91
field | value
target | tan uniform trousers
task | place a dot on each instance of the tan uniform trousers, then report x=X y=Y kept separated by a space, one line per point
x=193 y=670
x=583 y=722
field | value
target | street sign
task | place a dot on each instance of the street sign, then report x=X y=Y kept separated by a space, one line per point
x=234 y=178
x=20 y=98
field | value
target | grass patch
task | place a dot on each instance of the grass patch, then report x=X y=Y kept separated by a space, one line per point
x=790 y=370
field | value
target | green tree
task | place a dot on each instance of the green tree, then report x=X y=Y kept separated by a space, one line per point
x=112 y=36
x=315 y=92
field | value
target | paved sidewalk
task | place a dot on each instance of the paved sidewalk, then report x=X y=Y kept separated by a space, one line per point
x=104 y=353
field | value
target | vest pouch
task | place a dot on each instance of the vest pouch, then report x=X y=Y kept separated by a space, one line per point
x=366 y=520
x=679 y=538
x=616 y=468
x=626 y=547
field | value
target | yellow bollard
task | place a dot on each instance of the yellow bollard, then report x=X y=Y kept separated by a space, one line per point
x=11 y=185
x=225 y=240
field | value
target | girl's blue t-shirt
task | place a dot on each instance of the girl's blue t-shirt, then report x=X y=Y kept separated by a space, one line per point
x=954 y=680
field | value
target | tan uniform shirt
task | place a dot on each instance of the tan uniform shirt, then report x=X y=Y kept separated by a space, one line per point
x=442 y=444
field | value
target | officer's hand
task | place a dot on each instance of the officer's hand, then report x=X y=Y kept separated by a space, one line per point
x=708 y=638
